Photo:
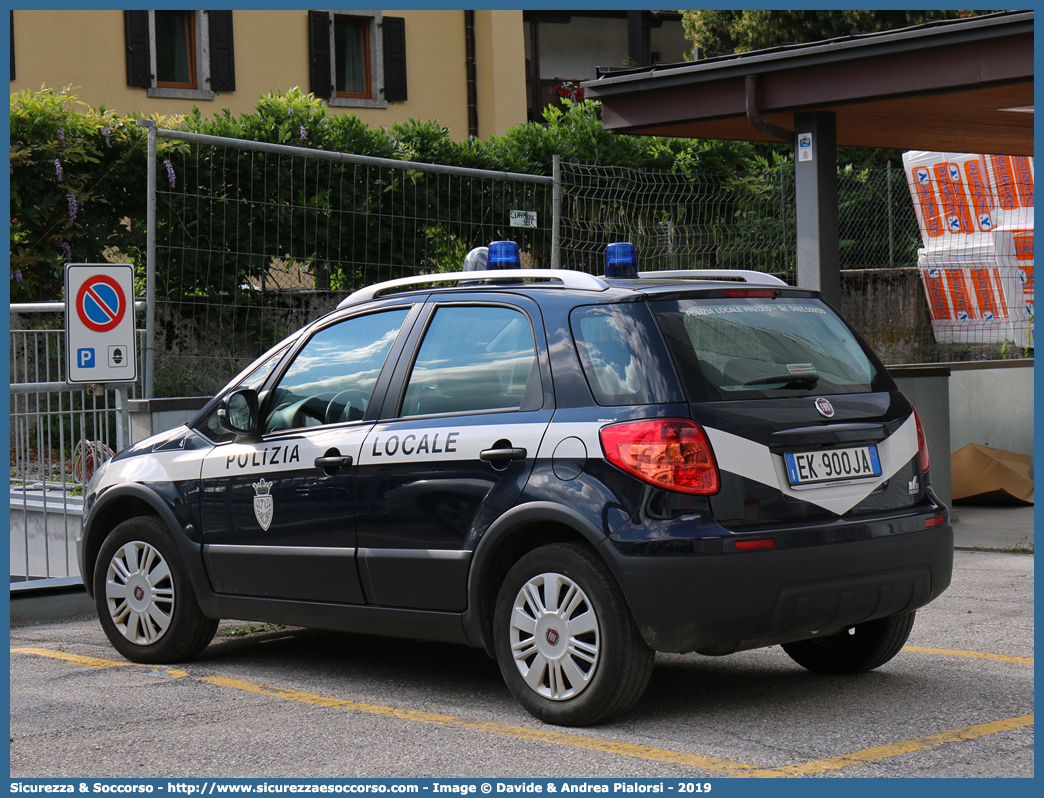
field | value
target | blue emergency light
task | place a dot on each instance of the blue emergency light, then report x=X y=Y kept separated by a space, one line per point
x=620 y=261
x=503 y=255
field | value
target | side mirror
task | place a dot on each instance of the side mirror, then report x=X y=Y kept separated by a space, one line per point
x=238 y=413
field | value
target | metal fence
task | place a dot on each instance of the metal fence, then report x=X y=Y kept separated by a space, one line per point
x=59 y=435
x=254 y=239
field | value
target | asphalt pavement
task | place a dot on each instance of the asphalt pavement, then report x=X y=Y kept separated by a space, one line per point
x=993 y=526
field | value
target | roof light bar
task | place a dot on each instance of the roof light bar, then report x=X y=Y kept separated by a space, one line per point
x=504 y=255
x=621 y=263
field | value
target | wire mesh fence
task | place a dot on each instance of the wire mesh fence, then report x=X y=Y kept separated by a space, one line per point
x=253 y=243
x=678 y=220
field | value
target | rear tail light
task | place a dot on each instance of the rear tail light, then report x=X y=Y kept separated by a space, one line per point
x=669 y=453
x=936 y=521
x=922 y=444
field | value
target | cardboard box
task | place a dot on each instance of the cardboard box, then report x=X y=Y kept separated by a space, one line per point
x=991 y=476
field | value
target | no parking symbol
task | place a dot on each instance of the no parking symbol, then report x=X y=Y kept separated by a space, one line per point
x=99 y=323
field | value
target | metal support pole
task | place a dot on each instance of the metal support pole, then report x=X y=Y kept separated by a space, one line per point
x=122 y=418
x=815 y=175
x=891 y=213
x=556 y=211
x=150 y=262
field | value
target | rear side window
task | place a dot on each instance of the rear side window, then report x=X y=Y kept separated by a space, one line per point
x=751 y=348
x=474 y=358
x=623 y=359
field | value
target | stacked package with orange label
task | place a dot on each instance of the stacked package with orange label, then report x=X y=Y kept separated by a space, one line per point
x=976 y=218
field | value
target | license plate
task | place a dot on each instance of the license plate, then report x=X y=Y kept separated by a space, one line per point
x=832 y=466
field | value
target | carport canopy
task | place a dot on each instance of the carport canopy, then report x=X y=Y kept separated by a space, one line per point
x=950 y=86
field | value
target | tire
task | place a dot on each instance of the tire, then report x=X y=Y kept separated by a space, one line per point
x=145 y=601
x=576 y=658
x=856 y=649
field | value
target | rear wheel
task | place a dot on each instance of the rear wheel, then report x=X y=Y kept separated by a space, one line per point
x=567 y=645
x=145 y=601
x=855 y=649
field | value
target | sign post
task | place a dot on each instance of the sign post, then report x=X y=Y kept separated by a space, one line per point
x=99 y=323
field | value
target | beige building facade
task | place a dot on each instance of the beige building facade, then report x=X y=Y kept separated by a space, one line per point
x=464 y=69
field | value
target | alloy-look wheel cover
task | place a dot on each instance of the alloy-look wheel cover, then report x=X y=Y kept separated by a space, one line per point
x=554 y=636
x=139 y=592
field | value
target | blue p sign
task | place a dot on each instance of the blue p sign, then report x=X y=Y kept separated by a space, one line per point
x=85 y=357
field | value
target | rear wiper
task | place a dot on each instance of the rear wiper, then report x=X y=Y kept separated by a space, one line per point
x=804 y=380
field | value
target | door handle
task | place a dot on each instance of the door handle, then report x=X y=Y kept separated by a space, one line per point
x=499 y=455
x=327 y=463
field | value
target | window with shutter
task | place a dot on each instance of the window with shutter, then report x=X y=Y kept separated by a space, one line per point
x=180 y=54
x=357 y=59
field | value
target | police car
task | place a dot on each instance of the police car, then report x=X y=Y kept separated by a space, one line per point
x=572 y=472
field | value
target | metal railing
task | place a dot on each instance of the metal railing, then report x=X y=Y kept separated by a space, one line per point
x=60 y=433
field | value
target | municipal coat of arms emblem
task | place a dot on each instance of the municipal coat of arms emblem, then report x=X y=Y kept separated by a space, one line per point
x=263 y=503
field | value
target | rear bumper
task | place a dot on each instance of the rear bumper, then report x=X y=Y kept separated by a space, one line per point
x=731 y=600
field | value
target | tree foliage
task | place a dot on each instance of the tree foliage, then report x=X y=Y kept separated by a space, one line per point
x=742 y=31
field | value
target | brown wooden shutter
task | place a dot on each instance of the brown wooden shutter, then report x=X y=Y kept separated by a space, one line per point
x=319 y=55
x=394 y=59
x=136 y=36
x=222 y=52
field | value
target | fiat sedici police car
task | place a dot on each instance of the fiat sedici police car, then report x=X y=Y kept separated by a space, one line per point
x=572 y=472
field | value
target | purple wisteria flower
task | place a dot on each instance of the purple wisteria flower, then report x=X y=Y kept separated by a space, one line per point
x=170 y=172
x=58 y=169
x=289 y=111
x=67 y=250
x=72 y=207
x=105 y=135
x=16 y=275
x=61 y=135
x=304 y=134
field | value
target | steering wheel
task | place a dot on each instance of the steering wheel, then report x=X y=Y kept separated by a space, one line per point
x=348 y=405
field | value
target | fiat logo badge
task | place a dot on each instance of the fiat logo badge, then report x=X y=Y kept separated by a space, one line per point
x=552 y=636
x=139 y=594
x=824 y=407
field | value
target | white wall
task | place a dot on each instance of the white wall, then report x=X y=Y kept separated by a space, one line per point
x=571 y=51
x=992 y=406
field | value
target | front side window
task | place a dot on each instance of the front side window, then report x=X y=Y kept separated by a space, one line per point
x=758 y=347
x=471 y=359
x=331 y=380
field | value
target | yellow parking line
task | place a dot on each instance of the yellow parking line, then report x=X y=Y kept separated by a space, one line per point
x=978 y=654
x=725 y=766
x=93 y=662
x=909 y=746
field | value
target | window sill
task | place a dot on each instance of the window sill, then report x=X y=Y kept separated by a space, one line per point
x=181 y=94
x=353 y=102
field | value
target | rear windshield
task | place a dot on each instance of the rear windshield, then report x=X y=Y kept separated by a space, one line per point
x=754 y=347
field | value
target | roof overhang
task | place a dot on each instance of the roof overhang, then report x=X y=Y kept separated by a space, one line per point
x=941 y=86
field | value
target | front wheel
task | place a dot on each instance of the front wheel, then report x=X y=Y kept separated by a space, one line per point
x=145 y=601
x=566 y=643
x=855 y=649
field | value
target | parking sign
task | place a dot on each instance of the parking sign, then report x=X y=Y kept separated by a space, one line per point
x=99 y=323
